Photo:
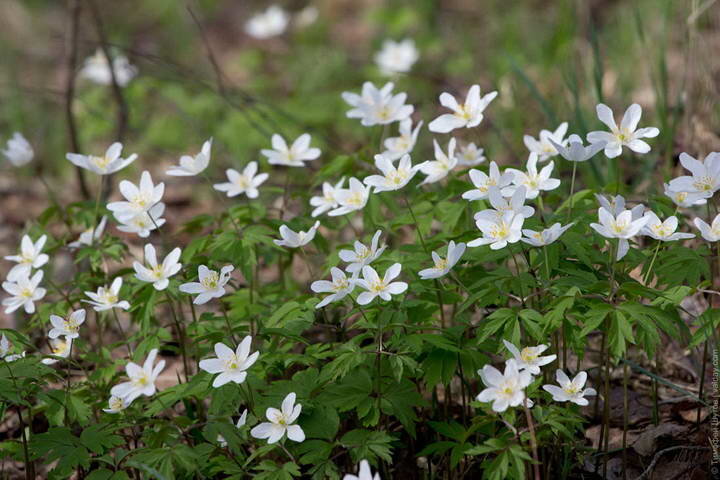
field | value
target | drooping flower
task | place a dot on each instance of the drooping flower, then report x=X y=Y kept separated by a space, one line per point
x=529 y=358
x=142 y=379
x=158 y=273
x=339 y=288
x=240 y=423
x=396 y=147
x=327 y=201
x=483 y=182
x=705 y=176
x=544 y=145
x=620 y=226
x=25 y=291
x=574 y=150
x=362 y=255
x=684 y=199
x=380 y=287
x=107 y=298
x=246 y=182
x=502 y=205
x=439 y=168
x=59 y=348
x=665 y=231
x=469 y=155
x=441 y=265
x=392 y=178
x=29 y=257
x=397 y=57
x=378 y=106
x=270 y=23
x=505 y=389
x=292 y=239
x=68 y=328
x=468 y=115
x=711 y=232
x=293 y=156
x=97 y=69
x=19 y=152
x=138 y=198
x=143 y=223
x=627 y=135
x=189 y=166
x=364 y=473
x=211 y=284
x=91 y=235
x=116 y=404
x=109 y=163
x=281 y=422
x=546 y=236
x=5 y=351
x=351 y=199
x=532 y=180
x=498 y=233
x=231 y=365
x=570 y=390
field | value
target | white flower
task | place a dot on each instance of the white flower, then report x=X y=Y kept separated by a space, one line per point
x=364 y=473
x=621 y=226
x=138 y=199
x=443 y=265
x=69 y=328
x=19 y=152
x=270 y=23
x=570 y=391
x=711 y=233
x=392 y=178
x=439 y=168
x=97 y=70
x=544 y=237
x=294 y=156
x=397 y=57
x=502 y=205
x=377 y=106
x=469 y=155
x=533 y=180
x=246 y=182
x=529 y=357
x=339 y=288
x=684 y=199
x=327 y=200
x=362 y=255
x=351 y=199
x=211 y=284
x=663 y=231
x=375 y=286
x=705 y=178
x=573 y=149
x=107 y=298
x=190 y=166
x=500 y=232
x=142 y=379
x=307 y=16
x=116 y=405
x=230 y=365
x=4 y=346
x=281 y=422
x=109 y=163
x=544 y=145
x=90 y=236
x=158 y=274
x=145 y=222
x=291 y=239
x=627 y=135
x=59 y=348
x=468 y=115
x=396 y=147
x=483 y=182
x=25 y=292
x=616 y=205
x=505 y=389
x=240 y=423
x=29 y=257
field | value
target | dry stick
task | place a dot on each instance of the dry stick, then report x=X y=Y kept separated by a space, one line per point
x=646 y=278
x=606 y=410
x=625 y=418
x=70 y=93
x=533 y=439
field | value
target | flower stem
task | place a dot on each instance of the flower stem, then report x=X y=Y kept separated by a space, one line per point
x=417 y=225
x=572 y=191
x=533 y=439
x=652 y=263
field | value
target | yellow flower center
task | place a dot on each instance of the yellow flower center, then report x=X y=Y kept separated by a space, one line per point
x=441 y=264
x=211 y=281
x=528 y=355
x=571 y=389
x=100 y=162
x=378 y=286
x=26 y=293
x=243 y=181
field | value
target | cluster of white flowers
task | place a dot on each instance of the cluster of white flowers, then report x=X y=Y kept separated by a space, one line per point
x=22 y=284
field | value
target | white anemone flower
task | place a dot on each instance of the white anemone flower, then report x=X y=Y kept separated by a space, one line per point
x=116 y=404
x=467 y=115
x=293 y=156
x=25 y=291
x=67 y=327
x=570 y=390
x=711 y=232
x=498 y=233
x=107 y=298
x=240 y=423
x=292 y=239
x=368 y=96
x=620 y=226
x=665 y=231
x=546 y=236
x=211 y=284
x=142 y=379
x=364 y=473
x=29 y=257
x=396 y=147
x=502 y=205
x=530 y=358
x=469 y=155
x=144 y=222
x=392 y=178
x=138 y=198
x=505 y=389
x=439 y=168
x=97 y=69
x=327 y=201
x=270 y=23
x=705 y=176
x=483 y=182
x=362 y=255
x=19 y=152
x=90 y=236
x=109 y=163
x=158 y=273
x=397 y=57
x=339 y=287
x=4 y=346
x=378 y=106
x=532 y=180
x=351 y=199
x=231 y=365
x=189 y=166
x=682 y=198
x=574 y=150
x=380 y=287
x=544 y=145
x=281 y=422
x=627 y=135
x=441 y=265
x=246 y=182
x=59 y=347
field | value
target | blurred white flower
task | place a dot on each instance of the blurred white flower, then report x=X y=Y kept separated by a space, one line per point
x=362 y=255
x=531 y=179
x=441 y=265
x=59 y=348
x=107 y=298
x=529 y=358
x=281 y=422
x=116 y=405
x=502 y=205
x=544 y=237
x=97 y=69
x=468 y=115
x=711 y=232
x=499 y=232
x=19 y=152
x=505 y=389
x=377 y=106
x=142 y=379
x=380 y=287
x=439 y=168
x=145 y=222
x=25 y=291
x=158 y=273
x=270 y=23
x=307 y=16
x=627 y=135
x=211 y=284
x=91 y=235
x=109 y=163
x=483 y=182
x=351 y=199
x=293 y=239
x=4 y=346
x=68 y=328
x=138 y=198
x=397 y=57
x=663 y=231
x=403 y=144
x=29 y=257
x=469 y=155
x=327 y=200
x=705 y=176
x=364 y=473
x=570 y=390
x=246 y=182
x=684 y=199
x=189 y=166
x=573 y=149
x=392 y=178
x=293 y=156
x=544 y=145
x=231 y=365
x=339 y=288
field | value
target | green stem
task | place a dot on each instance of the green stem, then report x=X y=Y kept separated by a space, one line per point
x=652 y=263
x=572 y=190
